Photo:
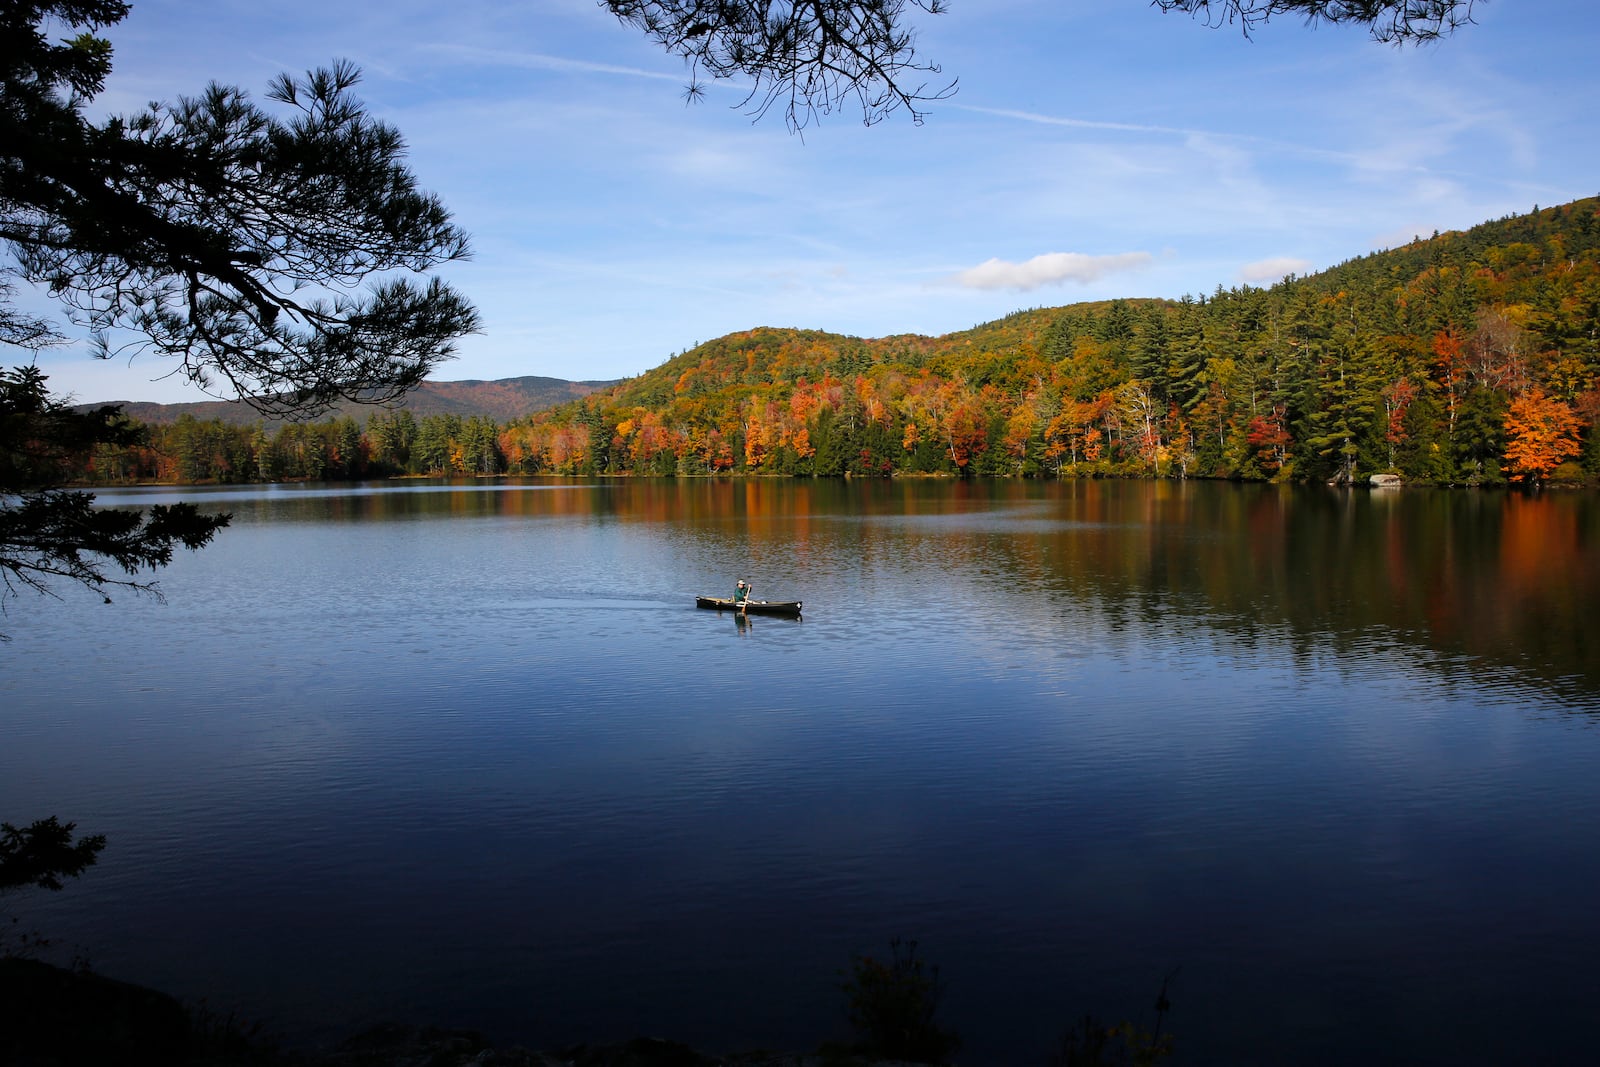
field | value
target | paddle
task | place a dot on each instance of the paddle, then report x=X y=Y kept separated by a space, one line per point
x=744 y=605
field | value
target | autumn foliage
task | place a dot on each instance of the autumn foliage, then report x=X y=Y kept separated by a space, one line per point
x=1541 y=434
x=1463 y=358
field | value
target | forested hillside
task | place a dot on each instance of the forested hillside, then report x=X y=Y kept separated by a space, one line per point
x=1466 y=358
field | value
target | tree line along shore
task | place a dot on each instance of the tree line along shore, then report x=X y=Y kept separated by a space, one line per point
x=1465 y=358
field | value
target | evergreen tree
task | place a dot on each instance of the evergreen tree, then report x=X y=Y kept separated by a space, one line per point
x=48 y=533
x=1183 y=370
x=600 y=433
x=1148 y=358
x=391 y=434
x=480 y=448
x=430 y=453
x=1480 y=437
x=193 y=229
x=349 y=462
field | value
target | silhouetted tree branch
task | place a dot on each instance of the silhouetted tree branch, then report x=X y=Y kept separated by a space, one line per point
x=267 y=254
x=1389 y=21
x=806 y=57
x=810 y=57
x=48 y=532
x=43 y=853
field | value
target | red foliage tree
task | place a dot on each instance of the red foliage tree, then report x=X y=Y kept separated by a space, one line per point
x=1271 y=439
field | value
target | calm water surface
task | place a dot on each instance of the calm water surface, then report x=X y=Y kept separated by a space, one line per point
x=468 y=753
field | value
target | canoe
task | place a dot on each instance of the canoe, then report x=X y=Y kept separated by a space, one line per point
x=754 y=607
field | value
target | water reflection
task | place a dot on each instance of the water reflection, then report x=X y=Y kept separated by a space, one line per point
x=458 y=749
x=1473 y=577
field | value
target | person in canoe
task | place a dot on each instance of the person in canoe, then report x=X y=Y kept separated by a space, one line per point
x=741 y=593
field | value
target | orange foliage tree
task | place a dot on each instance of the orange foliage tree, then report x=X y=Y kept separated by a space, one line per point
x=1541 y=434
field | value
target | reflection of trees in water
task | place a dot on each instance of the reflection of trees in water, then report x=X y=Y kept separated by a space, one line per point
x=1476 y=579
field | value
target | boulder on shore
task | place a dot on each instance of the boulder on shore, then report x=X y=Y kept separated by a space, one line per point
x=1386 y=481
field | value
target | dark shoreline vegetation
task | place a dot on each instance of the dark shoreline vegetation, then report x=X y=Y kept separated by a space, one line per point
x=1468 y=358
x=53 y=1016
x=66 y=1017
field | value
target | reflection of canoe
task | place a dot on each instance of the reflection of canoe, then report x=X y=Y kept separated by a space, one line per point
x=754 y=607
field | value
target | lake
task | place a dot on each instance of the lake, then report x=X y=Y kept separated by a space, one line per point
x=468 y=754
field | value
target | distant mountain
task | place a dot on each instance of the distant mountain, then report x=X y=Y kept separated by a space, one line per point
x=502 y=399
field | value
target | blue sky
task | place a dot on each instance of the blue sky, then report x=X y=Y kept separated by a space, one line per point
x=1095 y=149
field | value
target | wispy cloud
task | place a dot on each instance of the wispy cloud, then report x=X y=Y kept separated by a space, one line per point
x=1211 y=142
x=1052 y=268
x=1082 y=124
x=1274 y=269
x=538 y=61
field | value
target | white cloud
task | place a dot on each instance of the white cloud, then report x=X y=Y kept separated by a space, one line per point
x=1052 y=268
x=1274 y=269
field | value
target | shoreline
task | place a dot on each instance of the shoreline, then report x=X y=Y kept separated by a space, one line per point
x=52 y=1016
